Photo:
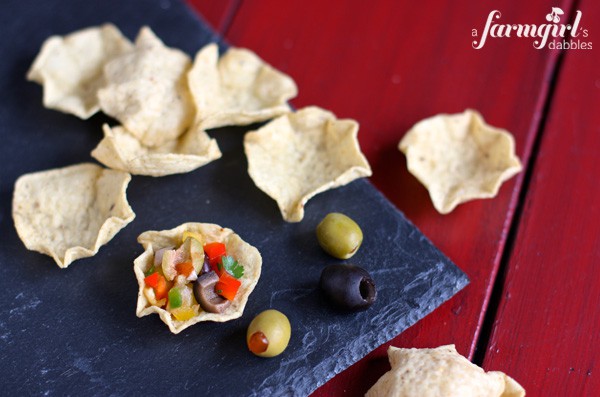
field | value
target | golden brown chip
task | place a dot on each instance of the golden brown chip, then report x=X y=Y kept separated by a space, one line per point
x=440 y=372
x=299 y=155
x=237 y=89
x=147 y=90
x=69 y=213
x=71 y=68
x=247 y=255
x=122 y=151
x=459 y=158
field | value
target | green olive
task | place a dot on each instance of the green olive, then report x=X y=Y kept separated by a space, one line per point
x=339 y=235
x=269 y=333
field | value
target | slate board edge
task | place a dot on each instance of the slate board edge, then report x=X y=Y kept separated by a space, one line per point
x=318 y=381
x=310 y=375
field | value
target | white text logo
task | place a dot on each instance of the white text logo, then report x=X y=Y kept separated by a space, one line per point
x=544 y=35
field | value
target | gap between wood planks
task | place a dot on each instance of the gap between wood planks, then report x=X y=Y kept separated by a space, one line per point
x=483 y=340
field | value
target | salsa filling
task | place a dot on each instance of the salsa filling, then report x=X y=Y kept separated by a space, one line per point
x=192 y=277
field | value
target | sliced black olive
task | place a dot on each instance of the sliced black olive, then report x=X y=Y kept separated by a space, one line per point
x=349 y=287
x=204 y=291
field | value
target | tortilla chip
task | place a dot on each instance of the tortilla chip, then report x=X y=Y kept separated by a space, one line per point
x=247 y=255
x=440 y=372
x=299 y=155
x=69 y=213
x=459 y=158
x=237 y=89
x=147 y=90
x=122 y=151
x=71 y=68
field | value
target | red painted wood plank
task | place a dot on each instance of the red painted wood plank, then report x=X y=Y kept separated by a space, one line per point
x=547 y=329
x=216 y=12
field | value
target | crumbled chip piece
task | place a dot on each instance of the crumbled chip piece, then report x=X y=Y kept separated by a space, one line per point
x=71 y=68
x=147 y=90
x=237 y=89
x=122 y=151
x=69 y=213
x=154 y=241
x=459 y=158
x=440 y=372
x=299 y=155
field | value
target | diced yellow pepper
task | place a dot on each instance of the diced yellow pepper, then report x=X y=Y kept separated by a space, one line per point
x=184 y=313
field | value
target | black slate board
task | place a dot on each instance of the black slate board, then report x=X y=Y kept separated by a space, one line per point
x=74 y=331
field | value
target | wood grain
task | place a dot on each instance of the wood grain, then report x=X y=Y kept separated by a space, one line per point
x=547 y=329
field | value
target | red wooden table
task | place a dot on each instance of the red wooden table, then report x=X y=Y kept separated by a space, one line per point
x=533 y=252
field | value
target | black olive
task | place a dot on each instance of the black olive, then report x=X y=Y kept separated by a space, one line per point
x=349 y=287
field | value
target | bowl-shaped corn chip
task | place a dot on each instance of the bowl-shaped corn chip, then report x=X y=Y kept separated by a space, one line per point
x=122 y=151
x=299 y=155
x=237 y=89
x=71 y=68
x=459 y=158
x=69 y=213
x=440 y=372
x=247 y=255
x=147 y=90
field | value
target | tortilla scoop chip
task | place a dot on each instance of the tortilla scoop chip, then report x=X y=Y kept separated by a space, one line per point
x=247 y=255
x=440 y=372
x=459 y=158
x=71 y=68
x=121 y=150
x=146 y=90
x=69 y=213
x=237 y=89
x=299 y=155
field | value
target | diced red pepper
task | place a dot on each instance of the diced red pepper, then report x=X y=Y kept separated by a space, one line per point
x=162 y=288
x=214 y=252
x=152 y=280
x=227 y=286
x=185 y=268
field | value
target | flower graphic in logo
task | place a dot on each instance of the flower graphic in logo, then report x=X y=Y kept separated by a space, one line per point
x=554 y=15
